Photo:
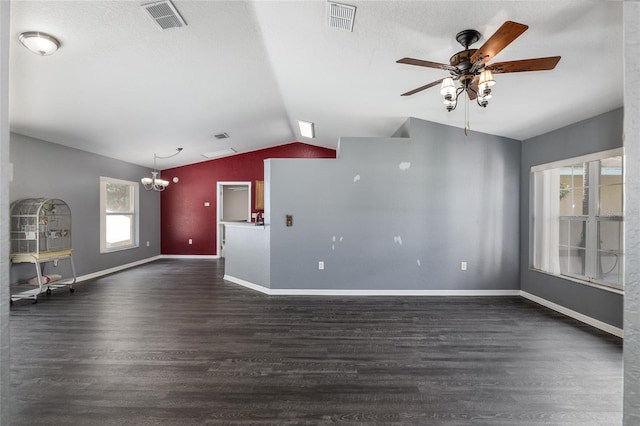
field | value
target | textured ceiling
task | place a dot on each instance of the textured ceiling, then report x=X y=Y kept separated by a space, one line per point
x=122 y=87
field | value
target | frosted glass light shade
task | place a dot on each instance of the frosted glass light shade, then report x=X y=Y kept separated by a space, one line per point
x=39 y=43
x=447 y=87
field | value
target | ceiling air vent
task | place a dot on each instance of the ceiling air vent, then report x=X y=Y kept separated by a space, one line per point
x=341 y=16
x=165 y=14
x=223 y=135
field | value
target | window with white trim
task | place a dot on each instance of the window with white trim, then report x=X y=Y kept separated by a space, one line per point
x=118 y=214
x=578 y=224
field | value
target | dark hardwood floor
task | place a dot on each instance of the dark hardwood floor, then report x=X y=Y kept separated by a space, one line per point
x=171 y=343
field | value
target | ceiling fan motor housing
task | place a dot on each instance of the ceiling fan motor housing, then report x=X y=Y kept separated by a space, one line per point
x=462 y=61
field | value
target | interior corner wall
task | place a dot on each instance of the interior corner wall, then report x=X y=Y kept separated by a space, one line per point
x=45 y=169
x=399 y=214
x=596 y=134
x=631 y=411
x=184 y=214
x=5 y=350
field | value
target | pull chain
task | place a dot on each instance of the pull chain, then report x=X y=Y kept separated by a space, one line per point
x=466 y=114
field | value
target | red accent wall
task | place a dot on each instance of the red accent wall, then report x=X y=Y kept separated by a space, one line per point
x=183 y=214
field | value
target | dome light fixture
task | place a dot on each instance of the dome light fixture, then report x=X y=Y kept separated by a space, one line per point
x=39 y=43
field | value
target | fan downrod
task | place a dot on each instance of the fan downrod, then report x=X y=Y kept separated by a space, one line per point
x=467 y=37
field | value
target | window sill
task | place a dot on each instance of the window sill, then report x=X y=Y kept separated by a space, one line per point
x=587 y=283
x=115 y=249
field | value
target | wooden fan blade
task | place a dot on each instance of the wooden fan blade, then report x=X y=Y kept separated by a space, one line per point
x=472 y=91
x=420 y=89
x=508 y=32
x=537 y=64
x=421 y=63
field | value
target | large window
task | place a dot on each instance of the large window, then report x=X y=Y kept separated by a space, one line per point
x=578 y=218
x=118 y=214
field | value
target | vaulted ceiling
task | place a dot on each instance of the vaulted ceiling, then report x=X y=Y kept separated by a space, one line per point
x=121 y=86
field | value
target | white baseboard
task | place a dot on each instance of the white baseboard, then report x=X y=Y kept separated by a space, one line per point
x=338 y=292
x=247 y=284
x=116 y=269
x=573 y=314
x=189 y=256
x=333 y=292
x=141 y=262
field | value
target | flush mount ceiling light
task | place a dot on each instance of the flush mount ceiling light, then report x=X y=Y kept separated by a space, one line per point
x=307 y=129
x=39 y=43
x=155 y=182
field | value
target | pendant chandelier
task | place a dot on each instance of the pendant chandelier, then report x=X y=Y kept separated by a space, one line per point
x=154 y=182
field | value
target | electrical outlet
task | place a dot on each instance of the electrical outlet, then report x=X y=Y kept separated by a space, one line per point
x=190 y=241
x=463 y=266
x=320 y=265
x=147 y=243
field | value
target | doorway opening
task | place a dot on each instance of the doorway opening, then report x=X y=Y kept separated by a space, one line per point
x=234 y=206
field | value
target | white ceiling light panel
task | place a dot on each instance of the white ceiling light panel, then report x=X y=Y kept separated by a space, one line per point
x=307 y=129
x=220 y=153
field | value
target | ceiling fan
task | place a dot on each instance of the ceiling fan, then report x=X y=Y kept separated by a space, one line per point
x=470 y=67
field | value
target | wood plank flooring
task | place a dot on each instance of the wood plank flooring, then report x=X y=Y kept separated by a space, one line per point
x=171 y=343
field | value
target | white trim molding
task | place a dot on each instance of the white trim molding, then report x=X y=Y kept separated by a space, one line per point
x=189 y=256
x=336 y=292
x=138 y=263
x=339 y=292
x=573 y=314
x=116 y=269
x=247 y=284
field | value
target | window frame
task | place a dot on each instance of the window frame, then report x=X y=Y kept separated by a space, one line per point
x=133 y=242
x=592 y=220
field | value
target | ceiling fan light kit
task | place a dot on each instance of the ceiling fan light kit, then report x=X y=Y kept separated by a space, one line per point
x=470 y=67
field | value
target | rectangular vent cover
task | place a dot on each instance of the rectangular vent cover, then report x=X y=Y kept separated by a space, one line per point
x=341 y=16
x=165 y=14
x=223 y=135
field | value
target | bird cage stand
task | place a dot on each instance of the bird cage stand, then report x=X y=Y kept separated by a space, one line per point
x=41 y=234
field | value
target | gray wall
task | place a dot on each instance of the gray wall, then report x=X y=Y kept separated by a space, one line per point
x=247 y=254
x=44 y=169
x=593 y=135
x=632 y=212
x=5 y=370
x=399 y=213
